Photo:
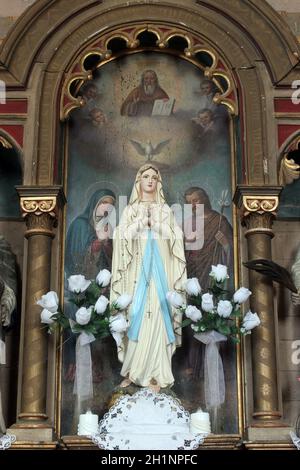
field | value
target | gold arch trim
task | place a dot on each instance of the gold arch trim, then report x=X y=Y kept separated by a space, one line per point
x=99 y=47
x=5 y=143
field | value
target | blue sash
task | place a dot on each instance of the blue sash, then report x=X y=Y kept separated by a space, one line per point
x=152 y=268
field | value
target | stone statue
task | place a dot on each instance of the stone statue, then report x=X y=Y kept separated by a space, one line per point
x=8 y=291
x=148 y=261
x=296 y=278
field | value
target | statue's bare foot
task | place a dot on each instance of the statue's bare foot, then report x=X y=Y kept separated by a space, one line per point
x=153 y=385
x=154 y=388
x=125 y=382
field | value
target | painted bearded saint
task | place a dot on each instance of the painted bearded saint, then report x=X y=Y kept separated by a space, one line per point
x=140 y=101
x=148 y=261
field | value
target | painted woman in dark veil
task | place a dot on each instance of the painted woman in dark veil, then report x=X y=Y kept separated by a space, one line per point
x=88 y=250
x=89 y=244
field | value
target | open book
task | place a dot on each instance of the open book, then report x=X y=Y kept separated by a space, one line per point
x=163 y=107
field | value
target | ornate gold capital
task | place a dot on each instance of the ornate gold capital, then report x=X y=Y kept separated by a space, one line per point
x=40 y=215
x=39 y=206
x=259 y=212
x=257 y=206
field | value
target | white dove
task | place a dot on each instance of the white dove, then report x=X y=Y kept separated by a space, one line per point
x=147 y=150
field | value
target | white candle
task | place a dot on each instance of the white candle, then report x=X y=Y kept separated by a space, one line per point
x=200 y=423
x=88 y=424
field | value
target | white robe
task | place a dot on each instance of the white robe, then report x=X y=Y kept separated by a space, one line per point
x=149 y=357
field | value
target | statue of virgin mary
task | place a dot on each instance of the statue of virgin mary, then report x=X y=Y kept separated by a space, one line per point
x=148 y=261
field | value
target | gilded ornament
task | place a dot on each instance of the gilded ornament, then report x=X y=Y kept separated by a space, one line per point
x=38 y=205
x=5 y=143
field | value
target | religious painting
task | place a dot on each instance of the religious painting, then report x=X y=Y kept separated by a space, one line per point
x=149 y=109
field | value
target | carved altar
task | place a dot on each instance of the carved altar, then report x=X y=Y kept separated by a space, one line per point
x=46 y=73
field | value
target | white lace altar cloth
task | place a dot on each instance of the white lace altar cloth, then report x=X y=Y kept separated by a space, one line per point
x=6 y=441
x=146 y=421
x=295 y=439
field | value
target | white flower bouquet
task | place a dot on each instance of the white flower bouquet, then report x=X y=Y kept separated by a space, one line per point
x=94 y=316
x=214 y=319
x=212 y=311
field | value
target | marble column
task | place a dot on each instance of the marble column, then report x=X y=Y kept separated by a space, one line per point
x=258 y=209
x=40 y=206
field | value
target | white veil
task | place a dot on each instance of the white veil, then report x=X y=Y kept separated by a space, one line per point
x=125 y=248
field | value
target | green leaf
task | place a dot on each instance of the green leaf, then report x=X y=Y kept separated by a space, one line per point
x=52 y=328
x=235 y=339
x=186 y=322
x=235 y=329
x=224 y=330
x=236 y=313
x=92 y=293
x=196 y=300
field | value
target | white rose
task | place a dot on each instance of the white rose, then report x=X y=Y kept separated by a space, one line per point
x=175 y=299
x=219 y=272
x=101 y=304
x=193 y=313
x=46 y=316
x=123 y=301
x=192 y=286
x=250 y=321
x=224 y=308
x=49 y=301
x=83 y=315
x=207 y=303
x=241 y=295
x=118 y=323
x=103 y=278
x=78 y=283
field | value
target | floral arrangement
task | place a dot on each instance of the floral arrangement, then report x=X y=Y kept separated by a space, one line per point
x=212 y=310
x=95 y=318
x=94 y=315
